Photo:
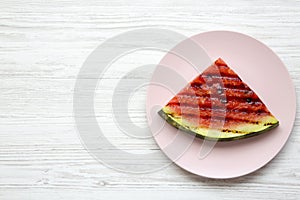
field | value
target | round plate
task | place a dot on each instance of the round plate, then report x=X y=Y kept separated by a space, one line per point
x=260 y=68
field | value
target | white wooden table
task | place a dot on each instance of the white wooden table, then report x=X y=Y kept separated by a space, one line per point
x=42 y=47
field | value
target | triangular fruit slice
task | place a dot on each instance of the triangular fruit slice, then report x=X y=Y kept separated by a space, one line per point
x=218 y=105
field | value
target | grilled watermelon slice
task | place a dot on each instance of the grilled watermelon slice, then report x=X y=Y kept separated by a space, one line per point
x=218 y=105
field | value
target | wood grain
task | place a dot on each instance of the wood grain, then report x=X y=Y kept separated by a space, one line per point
x=42 y=47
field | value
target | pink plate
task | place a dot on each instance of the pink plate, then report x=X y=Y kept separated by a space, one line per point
x=261 y=69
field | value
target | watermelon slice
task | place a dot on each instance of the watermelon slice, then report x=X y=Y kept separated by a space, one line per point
x=218 y=105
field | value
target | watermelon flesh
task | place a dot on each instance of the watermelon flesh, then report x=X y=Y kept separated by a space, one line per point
x=218 y=105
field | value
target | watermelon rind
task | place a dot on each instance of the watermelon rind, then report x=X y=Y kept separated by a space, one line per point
x=211 y=134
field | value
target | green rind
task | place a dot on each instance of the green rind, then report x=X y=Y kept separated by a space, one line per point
x=180 y=127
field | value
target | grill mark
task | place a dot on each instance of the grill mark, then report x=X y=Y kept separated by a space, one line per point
x=208 y=100
x=229 y=116
x=216 y=76
x=223 y=81
x=253 y=109
x=221 y=85
x=232 y=131
x=194 y=94
x=182 y=108
x=224 y=125
x=220 y=70
x=221 y=74
x=230 y=95
x=219 y=119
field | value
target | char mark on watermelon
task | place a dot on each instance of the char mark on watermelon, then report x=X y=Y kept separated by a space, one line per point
x=218 y=105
